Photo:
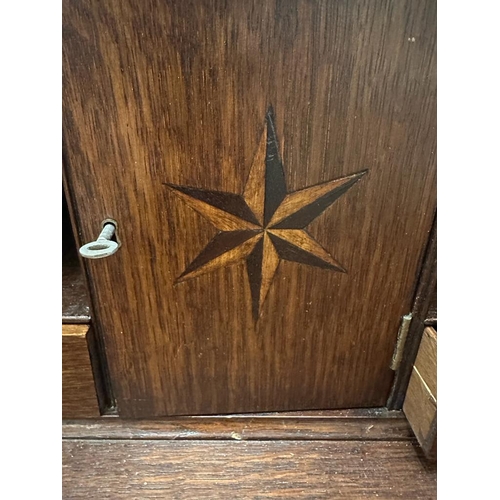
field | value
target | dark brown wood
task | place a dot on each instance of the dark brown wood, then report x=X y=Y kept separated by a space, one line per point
x=117 y=470
x=179 y=93
x=420 y=405
x=349 y=412
x=75 y=300
x=79 y=397
x=424 y=298
x=432 y=311
x=304 y=414
x=244 y=428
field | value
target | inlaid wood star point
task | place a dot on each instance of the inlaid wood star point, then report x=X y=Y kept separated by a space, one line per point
x=265 y=224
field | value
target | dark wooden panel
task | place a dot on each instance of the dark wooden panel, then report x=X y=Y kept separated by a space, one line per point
x=432 y=312
x=79 y=398
x=75 y=299
x=162 y=94
x=243 y=428
x=273 y=469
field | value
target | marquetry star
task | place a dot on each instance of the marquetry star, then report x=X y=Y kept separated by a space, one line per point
x=265 y=224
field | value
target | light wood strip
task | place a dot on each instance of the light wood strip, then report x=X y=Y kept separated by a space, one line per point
x=419 y=406
x=270 y=265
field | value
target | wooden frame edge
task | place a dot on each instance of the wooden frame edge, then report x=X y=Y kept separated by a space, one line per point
x=390 y=427
x=427 y=281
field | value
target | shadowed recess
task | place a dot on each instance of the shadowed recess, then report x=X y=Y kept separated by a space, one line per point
x=275 y=186
x=287 y=251
x=304 y=216
x=229 y=202
x=222 y=242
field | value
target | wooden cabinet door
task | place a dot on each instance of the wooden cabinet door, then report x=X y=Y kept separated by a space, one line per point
x=271 y=168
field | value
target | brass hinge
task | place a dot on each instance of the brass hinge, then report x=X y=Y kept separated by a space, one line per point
x=400 y=343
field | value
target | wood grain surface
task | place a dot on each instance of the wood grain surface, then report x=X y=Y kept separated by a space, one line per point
x=420 y=408
x=243 y=428
x=79 y=397
x=176 y=93
x=420 y=405
x=117 y=470
x=426 y=361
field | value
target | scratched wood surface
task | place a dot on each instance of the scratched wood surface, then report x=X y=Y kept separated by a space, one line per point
x=240 y=427
x=247 y=469
x=163 y=94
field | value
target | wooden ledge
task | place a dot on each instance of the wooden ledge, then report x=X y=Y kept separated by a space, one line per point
x=343 y=427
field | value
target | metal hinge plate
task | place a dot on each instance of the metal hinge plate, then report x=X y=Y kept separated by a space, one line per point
x=400 y=343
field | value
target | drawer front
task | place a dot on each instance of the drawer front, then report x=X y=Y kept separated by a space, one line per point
x=420 y=405
x=79 y=398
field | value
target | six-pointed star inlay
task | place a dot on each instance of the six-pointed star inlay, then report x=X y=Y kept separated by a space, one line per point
x=265 y=224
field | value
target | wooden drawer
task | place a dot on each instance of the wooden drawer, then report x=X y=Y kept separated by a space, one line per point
x=79 y=398
x=420 y=406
